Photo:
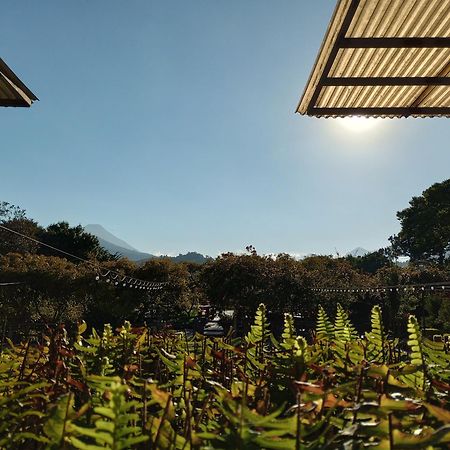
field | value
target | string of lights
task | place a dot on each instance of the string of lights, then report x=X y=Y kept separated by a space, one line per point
x=438 y=286
x=110 y=276
x=126 y=281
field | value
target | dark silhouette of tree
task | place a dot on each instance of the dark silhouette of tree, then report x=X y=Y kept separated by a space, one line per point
x=372 y=262
x=14 y=218
x=72 y=240
x=425 y=232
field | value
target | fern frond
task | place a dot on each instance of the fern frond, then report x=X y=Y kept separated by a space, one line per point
x=417 y=354
x=344 y=331
x=376 y=339
x=324 y=327
x=58 y=424
x=289 y=334
x=260 y=330
x=113 y=424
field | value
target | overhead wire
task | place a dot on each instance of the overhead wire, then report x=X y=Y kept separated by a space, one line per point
x=127 y=281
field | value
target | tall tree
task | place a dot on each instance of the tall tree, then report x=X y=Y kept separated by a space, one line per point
x=14 y=218
x=425 y=225
x=372 y=262
x=72 y=240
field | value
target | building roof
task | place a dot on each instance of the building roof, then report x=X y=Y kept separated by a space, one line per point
x=12 y=91
x=383 y=58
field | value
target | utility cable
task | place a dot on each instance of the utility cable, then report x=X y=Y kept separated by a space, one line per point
x=131 y=281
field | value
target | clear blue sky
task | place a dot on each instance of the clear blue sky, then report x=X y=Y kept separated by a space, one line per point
x=172 y=124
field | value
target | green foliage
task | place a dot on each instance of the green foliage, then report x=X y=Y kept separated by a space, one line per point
x=242 y=282
x=343 y=328
x=260 y=330
x=415 y=343
x=324 y=327
x=113 y=420
x=73 y=240
x=129 y=388
x=425 y=225
x=376 y=348
x=58 y=425
x=289 y=335
x=372 y=262
x=14 y=218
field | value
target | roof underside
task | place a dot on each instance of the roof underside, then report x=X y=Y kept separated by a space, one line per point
x=12 y=91
x=383 y=58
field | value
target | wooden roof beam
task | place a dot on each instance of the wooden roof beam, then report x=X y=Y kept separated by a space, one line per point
x=350 y=14
x=397 y=112
x=395 y=42
x=386 y=81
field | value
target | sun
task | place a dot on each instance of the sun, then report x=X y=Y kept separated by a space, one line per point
x=359 y=124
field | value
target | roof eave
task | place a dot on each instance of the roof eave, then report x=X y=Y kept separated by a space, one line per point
x=330 y=39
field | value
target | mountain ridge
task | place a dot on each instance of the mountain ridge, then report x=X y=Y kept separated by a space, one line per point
x=358 y=251
x=117 y=246
x=102 y=233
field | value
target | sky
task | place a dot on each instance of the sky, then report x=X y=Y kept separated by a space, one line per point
x=171 y=123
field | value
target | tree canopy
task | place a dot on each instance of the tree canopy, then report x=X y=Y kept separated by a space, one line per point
x=14 y=218
x=73 y=240
x=425 y=226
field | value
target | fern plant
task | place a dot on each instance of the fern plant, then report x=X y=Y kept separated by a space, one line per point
x=113 y=421
x=58 y=426
x=324 y=327
x=260 y=330
x=289 y=334
x=344 y=331
x=20 y=414
x=376 y=338
x=415 y=343
x=258 y=337
x=96 y=352
x=437 y=359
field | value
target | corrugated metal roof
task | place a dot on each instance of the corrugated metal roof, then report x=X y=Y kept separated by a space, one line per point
x=387 y=58
x=12 y=91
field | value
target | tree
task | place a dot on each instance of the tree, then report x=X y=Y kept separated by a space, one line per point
x=237 y=282
x=51 y=290
x=371 y=262
x=338 y=273
x=9 y=211
x=14 y=218
x=179 y=295
x=73 y=240
x=425 y=226
x=242 y=282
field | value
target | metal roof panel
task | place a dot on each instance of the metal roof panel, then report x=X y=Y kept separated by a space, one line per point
x=382 y=54
x=13 y=91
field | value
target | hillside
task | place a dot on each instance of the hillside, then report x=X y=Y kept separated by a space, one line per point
x=118 y=246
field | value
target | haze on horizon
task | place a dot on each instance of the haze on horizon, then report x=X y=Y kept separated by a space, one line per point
x=172 y=125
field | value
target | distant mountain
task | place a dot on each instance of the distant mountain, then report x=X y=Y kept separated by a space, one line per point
x=115 y=245
x=102 y=233
x=191 y=257
x=358 y=251
x=133 y=255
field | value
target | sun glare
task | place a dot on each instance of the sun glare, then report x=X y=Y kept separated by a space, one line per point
x=358 y=124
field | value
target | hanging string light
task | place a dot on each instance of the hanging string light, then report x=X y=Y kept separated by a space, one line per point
x=129 y=282
x=112 y=275
x=442 y=285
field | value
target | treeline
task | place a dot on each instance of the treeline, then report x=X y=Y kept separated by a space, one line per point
x=55 y=289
